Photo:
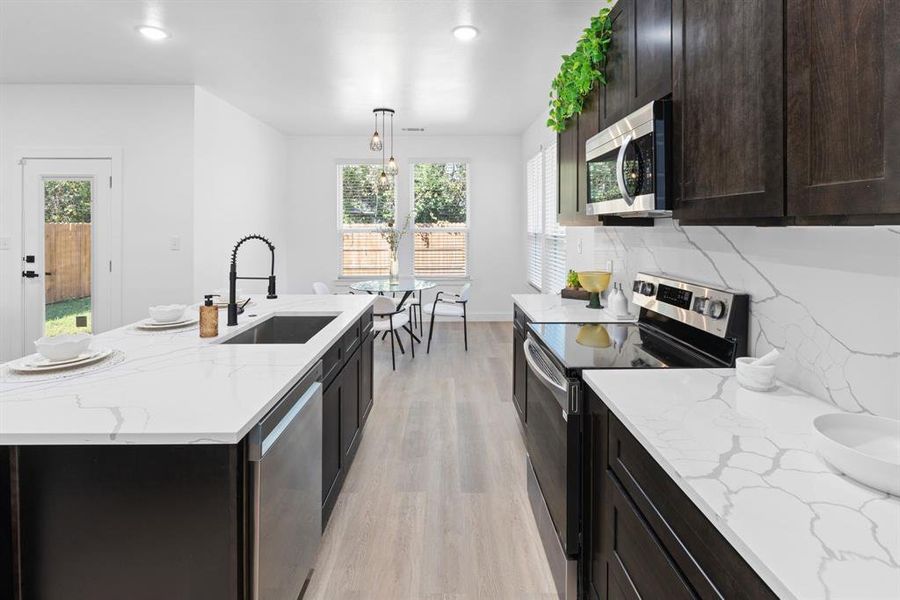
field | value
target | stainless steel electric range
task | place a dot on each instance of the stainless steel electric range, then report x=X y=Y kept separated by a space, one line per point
x=681 y=325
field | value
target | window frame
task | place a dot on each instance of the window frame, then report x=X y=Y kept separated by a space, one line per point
x=415 y=229
x=339 y=210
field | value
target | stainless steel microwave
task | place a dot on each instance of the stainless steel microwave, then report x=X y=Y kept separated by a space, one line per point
x=629 y=165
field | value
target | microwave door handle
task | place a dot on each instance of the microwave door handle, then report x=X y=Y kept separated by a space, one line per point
x=620 y=170
x=531 y=347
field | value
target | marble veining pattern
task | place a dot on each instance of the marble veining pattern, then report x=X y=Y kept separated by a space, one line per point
x=827 y=297
x=746 y=460
x=173 y=388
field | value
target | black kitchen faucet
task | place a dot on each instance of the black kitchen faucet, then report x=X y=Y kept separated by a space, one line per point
x=233 y=277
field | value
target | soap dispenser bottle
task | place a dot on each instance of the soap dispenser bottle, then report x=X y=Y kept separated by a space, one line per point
x=209 y=317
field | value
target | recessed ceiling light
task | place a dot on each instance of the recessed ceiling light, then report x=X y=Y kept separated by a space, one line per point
x=465 y=33
x=153 y=33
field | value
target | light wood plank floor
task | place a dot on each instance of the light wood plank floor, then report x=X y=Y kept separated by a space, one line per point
x=435 y=505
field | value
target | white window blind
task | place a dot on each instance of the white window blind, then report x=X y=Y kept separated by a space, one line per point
x=546 y=239
x=363 y=207
x=441 y=206
x=534 y=175
x=554 y=276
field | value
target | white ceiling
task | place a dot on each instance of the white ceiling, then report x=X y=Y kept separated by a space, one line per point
x=311 y=66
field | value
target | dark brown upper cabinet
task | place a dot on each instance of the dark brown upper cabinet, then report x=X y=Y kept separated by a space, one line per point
x=639 y=62
x=571 y=174
x=728 y=111
x=843 y=100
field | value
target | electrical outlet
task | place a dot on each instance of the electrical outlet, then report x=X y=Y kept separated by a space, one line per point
x=4 y=243
x=580 y=246
x=174 y=243
x=609 y=266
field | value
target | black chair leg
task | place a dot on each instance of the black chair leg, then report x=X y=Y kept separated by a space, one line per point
x=412 y=340
x=465 y=329
x=430 y=332
x=393 y=357
x=400 y=343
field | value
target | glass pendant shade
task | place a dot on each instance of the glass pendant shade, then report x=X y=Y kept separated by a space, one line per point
x=375 y=143
x=383 y=179
x=392 y=166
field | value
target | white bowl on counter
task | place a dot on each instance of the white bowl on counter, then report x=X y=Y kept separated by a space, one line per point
x=63 y=347
x=759 y=378
x=863 y=447
x=167 y=313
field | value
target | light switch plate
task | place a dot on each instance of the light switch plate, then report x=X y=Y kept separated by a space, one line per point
x=4 y=243
x=174 y=243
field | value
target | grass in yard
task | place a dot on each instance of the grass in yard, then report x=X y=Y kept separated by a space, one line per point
x=60 y=317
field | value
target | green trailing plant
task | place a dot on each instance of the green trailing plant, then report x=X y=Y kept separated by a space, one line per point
x=580 y=70
x=572 y=279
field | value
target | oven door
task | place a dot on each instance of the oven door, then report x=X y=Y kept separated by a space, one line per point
x=553 y=440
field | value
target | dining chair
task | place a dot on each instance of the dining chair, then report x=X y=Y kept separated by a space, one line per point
x=321 y=288
x=449 y=308
x=388 y=317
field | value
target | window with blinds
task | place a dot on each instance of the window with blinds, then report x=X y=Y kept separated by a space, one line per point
x=546 y=238
x=363 y=208
x=441 y=207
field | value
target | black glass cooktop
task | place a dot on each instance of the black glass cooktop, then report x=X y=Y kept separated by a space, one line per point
x=614 y=346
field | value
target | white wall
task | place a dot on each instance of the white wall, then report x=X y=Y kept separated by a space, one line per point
x=240 y=184
x=495 y=198
x=827 y=297
x=153 y=127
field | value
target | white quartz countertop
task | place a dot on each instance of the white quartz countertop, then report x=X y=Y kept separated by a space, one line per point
x=745 y=459
x=547 y=308
x=174 y=387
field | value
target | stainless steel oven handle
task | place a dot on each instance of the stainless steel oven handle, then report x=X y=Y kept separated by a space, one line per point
x=531 y=346
x=620 y=173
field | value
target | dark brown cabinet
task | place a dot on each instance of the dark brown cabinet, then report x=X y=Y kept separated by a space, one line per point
x=366 y=376
x=331 y=438
x=643 y=537
x=347 y=400
x=843 y=95
x=571 y=190
x=349 y=404
x=728 y=113
x=639 y=62
x=519 y=366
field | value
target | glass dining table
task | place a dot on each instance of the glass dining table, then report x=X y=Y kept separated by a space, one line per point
x=405 y=285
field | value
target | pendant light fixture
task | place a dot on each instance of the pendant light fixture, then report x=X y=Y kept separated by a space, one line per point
x=388 y=169
x=375 y=143
x=392 y=164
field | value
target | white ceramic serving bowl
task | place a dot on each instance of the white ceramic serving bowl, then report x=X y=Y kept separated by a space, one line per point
x=759 y=378
x=63 y=347
x=863 y=447
x=167 y=313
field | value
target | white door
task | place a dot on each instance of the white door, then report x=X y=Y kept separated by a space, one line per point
x=67 y=233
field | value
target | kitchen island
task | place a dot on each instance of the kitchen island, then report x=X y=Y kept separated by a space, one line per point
x=135 y=478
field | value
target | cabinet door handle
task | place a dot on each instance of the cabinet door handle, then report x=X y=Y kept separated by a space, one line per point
x=29 y=274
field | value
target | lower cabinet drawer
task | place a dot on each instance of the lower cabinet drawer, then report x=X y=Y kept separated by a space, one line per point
x=639 y=567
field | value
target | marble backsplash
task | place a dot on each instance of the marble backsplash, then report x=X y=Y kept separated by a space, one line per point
x=827 y=297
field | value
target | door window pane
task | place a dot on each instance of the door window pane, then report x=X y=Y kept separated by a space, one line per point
x=67 y=256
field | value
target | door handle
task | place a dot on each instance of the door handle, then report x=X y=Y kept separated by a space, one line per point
x=620 y=170
x=47 y=274
x=29 y=274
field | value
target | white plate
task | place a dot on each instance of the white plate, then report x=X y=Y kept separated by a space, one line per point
x=150 y=324
x=35 y=363
x=863 y=447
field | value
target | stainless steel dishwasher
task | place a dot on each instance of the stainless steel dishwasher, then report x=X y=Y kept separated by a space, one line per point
x=285 y=452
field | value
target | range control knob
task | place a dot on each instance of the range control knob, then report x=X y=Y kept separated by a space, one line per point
x=715 y=309
x=647 y=288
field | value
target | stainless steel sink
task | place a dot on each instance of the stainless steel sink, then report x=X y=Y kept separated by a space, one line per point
x=283 y=329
